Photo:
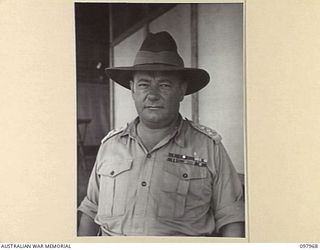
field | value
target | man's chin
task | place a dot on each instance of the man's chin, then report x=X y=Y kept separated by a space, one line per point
x=152 y=120
x=156 y=121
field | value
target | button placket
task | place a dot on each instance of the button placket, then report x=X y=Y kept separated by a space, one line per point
x=149 y=165
x=144 y=185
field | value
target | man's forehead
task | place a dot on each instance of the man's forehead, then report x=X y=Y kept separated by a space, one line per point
x=157 y=74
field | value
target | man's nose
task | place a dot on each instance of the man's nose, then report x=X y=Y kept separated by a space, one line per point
x=154 y=93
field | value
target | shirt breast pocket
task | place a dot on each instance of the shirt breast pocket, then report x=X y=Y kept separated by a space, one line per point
x=178 y=180
x=114 y=176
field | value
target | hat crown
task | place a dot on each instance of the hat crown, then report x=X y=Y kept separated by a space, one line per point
x=159 y=48
x=158 y=42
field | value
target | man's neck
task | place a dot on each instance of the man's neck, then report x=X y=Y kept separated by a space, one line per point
x=151 y=136
x=154 y=128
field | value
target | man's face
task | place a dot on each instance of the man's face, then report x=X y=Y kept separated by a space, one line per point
x=157 y=96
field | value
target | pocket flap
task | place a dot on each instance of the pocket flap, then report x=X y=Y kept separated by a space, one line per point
x=114 y=168
x=186 y=172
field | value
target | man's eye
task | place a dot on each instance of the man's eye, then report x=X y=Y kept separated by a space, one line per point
x=165 y=85
x=143 y=85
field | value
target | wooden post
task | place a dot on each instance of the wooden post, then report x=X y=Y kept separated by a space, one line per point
x=194 y=57
x=111 y=64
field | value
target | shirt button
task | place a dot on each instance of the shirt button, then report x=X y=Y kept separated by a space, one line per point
x=143 y=184
x=148 y=155
x=185 y=175
x=112 y=172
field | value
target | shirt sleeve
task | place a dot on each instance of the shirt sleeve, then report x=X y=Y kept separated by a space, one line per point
x=228 y=201
x=89 y=205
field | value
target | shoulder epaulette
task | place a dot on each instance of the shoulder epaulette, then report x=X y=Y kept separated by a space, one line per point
x=207 y=131
x=111 y=134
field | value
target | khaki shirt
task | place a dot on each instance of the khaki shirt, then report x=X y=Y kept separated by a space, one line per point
x=186 y=185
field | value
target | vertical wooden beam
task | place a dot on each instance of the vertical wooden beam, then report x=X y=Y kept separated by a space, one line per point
x=194 y=57
x=111 y=64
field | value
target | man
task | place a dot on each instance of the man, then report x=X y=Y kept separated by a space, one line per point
x=162 y=175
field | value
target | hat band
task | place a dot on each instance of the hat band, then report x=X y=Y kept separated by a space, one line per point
x=163 y=57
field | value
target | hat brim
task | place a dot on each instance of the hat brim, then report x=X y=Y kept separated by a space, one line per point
x=195 y=78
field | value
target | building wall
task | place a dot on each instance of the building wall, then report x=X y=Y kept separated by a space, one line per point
x=93 y=104
x=221 y=54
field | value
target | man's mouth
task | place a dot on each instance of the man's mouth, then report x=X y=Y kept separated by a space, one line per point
x=153 y=107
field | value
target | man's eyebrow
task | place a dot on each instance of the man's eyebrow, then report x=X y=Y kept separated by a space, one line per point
x=143 y=79
x=165 y=80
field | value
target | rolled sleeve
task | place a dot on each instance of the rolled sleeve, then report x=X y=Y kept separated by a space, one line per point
x=89 y=208
x=230 y=214
x=89 y=205
x=228 y=202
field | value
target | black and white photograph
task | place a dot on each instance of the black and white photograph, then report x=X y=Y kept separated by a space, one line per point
x=161 y=119
x=133 y=124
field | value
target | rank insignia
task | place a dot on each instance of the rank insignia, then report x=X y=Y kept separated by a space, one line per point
x=195 y=161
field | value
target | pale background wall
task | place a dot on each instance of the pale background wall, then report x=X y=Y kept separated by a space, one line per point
x=221 y=54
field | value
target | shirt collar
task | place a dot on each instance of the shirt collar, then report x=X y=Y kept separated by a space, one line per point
x=177 y=134
x=131 y=129
x=179 y=137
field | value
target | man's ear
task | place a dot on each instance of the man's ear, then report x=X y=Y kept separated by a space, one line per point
x=183 y=90
x=132 y=86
